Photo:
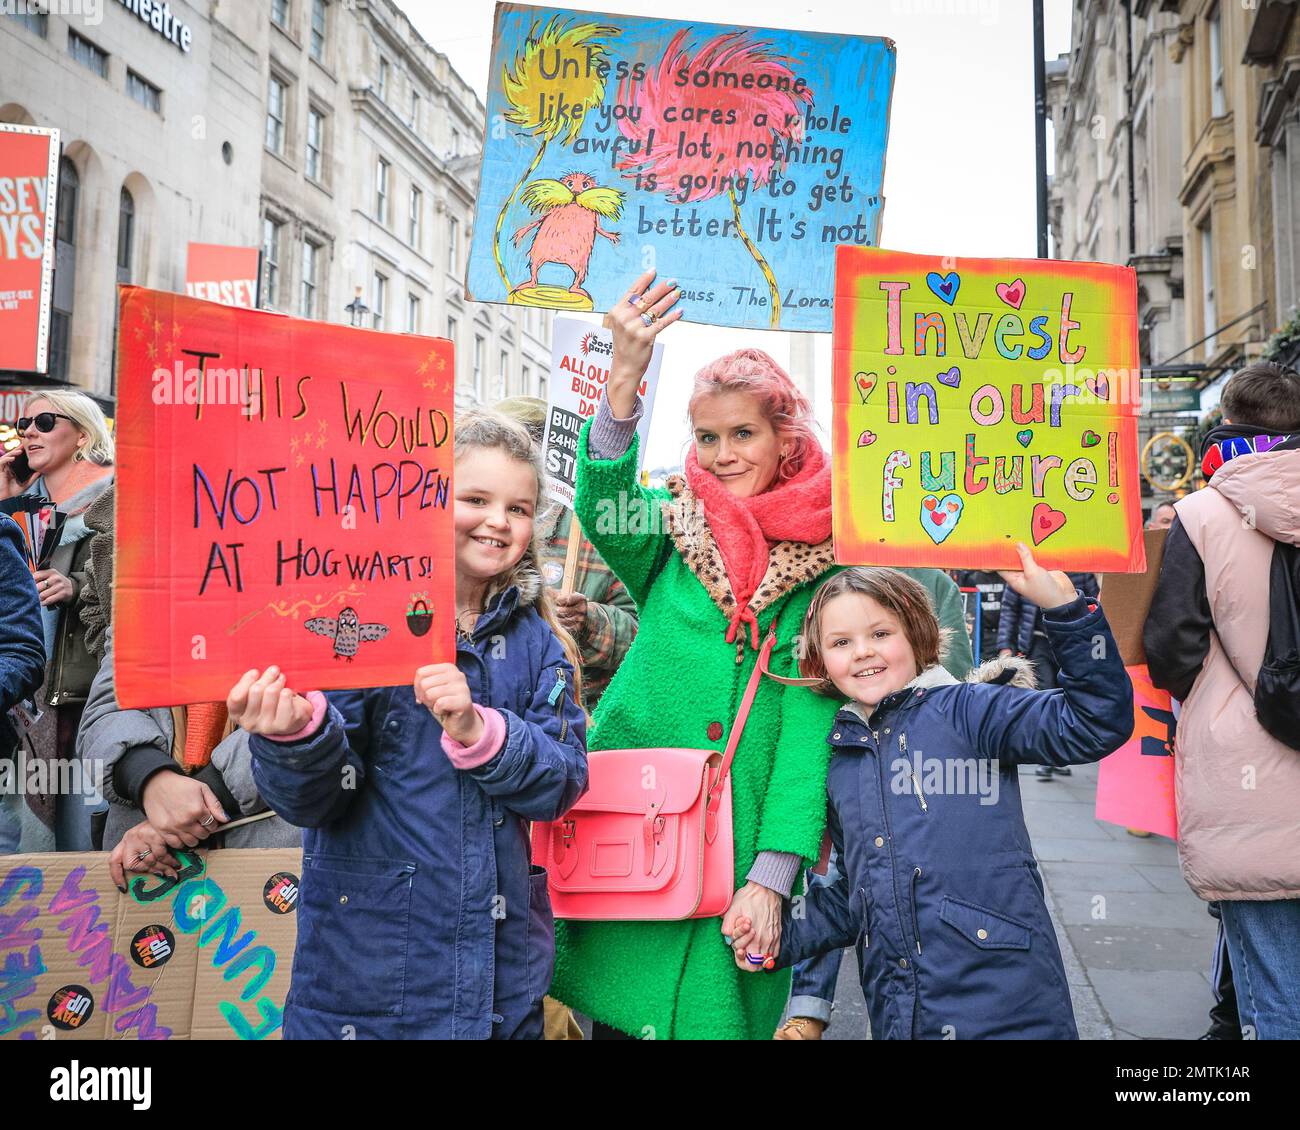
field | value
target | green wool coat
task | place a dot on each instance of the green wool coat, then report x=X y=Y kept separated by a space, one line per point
x=677 y=980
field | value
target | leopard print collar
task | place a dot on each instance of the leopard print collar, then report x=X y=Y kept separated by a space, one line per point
x=789 y=563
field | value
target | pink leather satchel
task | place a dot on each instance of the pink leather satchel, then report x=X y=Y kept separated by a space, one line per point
x=651 y=839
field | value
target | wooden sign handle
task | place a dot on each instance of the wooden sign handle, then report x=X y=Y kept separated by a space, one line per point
x=571 y=557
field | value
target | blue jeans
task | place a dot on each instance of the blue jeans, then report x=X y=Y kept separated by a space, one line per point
x=1264 y=945
x=812 y=987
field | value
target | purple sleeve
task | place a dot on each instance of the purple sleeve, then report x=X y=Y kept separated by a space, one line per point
x=611 y=437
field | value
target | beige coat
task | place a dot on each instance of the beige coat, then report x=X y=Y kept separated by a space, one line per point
x=1238 y=788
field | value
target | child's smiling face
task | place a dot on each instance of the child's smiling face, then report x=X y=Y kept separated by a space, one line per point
x=864 y=649
x=496 y=497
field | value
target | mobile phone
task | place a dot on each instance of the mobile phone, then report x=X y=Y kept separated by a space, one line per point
x=20 y=468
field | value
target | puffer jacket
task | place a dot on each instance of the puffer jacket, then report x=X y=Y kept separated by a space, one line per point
x=420 y=916
x=1237 y=788
x=1020 y=619
x=939 y=889
x=127 y=747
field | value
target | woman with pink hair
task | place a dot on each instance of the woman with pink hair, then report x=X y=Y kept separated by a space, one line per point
x=726 y=553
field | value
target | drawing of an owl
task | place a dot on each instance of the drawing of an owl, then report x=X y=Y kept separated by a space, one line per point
x=347 y=632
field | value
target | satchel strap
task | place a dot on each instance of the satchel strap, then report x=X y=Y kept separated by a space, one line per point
x=742 y=714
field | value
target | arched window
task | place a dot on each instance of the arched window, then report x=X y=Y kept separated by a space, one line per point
x=125 y=235
x=65 y=268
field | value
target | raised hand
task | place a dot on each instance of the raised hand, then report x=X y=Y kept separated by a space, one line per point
x=262 y=704
x=1047 y=589
x=634 y=340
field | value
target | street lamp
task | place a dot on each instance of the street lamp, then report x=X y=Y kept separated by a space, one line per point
x=357 y=309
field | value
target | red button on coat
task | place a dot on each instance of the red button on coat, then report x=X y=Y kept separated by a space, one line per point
x=715 y=731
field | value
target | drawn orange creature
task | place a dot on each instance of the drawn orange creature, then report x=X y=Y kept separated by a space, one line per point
x=571 y=209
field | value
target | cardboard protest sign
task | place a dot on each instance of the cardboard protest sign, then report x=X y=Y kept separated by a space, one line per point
x=985 y=402
x=205 y=956
x=218 y=273
x=580 y=357
x=736 y=157
x=29 y=178
x=284 y=494
x=1135 y=784
x=1126 y=598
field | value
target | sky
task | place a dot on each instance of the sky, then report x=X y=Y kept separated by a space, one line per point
x=959 y=171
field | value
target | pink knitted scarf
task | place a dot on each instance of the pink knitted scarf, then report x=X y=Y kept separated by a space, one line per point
x=798 y=509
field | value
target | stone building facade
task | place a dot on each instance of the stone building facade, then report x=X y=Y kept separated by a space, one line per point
x=329 y=134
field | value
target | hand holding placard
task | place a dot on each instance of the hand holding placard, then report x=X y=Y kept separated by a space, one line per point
x=1045 y=588
x=261 y=704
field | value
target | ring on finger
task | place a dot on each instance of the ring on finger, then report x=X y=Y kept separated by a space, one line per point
x=142 y=855
x=649 y=319
x=206 y=822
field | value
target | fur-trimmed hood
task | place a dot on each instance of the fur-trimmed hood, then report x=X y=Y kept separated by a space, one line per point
x=1004 y=670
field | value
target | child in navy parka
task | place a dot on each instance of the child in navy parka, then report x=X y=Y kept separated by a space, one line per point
x=939 y=889
x=420 y=916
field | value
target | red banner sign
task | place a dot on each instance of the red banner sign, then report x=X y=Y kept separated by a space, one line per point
x=29 y=177
x=284 y=495
x=217 y=273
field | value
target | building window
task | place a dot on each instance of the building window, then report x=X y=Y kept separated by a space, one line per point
x=1211 y=312
x=280 y=13
x=379 y=299
x=478 y=366
x=144 y=92
x=381 y=87
x=453 y=243
x=382 y=169
x=277 y=98
x=315 y=144
x=413 y=218
x=542 y=376
x=451 y=328
x=87 y=54
x=307 y=295
x=455 y=142
x=503 y=375
x=528 y=380
x=271 y=231
x=125 y=235
x=318 y=30
x=412 y=314
x=1218 y=104
x=415 y=110
x=65 y=230
x=38 y=23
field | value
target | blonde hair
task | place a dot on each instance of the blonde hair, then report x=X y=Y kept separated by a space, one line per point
x=482 y=429
x=88 y=418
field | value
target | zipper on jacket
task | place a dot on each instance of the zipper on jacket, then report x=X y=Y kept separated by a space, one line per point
x=916 y=784
x=916 y=929
x=556 y=699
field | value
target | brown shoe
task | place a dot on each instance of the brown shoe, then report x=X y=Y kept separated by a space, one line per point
x=800 y=1028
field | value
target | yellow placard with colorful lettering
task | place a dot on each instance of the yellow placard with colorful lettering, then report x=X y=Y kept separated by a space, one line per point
x=985 y=402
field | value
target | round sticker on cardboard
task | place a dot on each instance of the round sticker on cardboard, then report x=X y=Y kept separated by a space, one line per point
x=70 y=1007
x=152 y=946
x=281 y=893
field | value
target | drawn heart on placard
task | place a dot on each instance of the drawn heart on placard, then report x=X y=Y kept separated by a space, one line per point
x=951 y=378
x=939 y=516
x=866 y=439
x=865 y=382
x=1090 y=438
x=1012 y=293
x=1099 y=386
x=1044 y=522
x=1024 y=437
x=945 y=286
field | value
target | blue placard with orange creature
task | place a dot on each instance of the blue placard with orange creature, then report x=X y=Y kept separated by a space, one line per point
x=732 y=159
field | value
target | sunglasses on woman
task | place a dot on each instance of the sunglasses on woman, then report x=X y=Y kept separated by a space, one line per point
x=44 y=421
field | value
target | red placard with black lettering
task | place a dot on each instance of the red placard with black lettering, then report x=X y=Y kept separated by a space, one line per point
x=284 y=495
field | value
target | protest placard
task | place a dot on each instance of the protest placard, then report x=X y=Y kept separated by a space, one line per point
x=985 y=402
x=1135 y=784
x=29 y=178
x=284 y=495
x=580 y=357
x=206 y=955
x=731 y=158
